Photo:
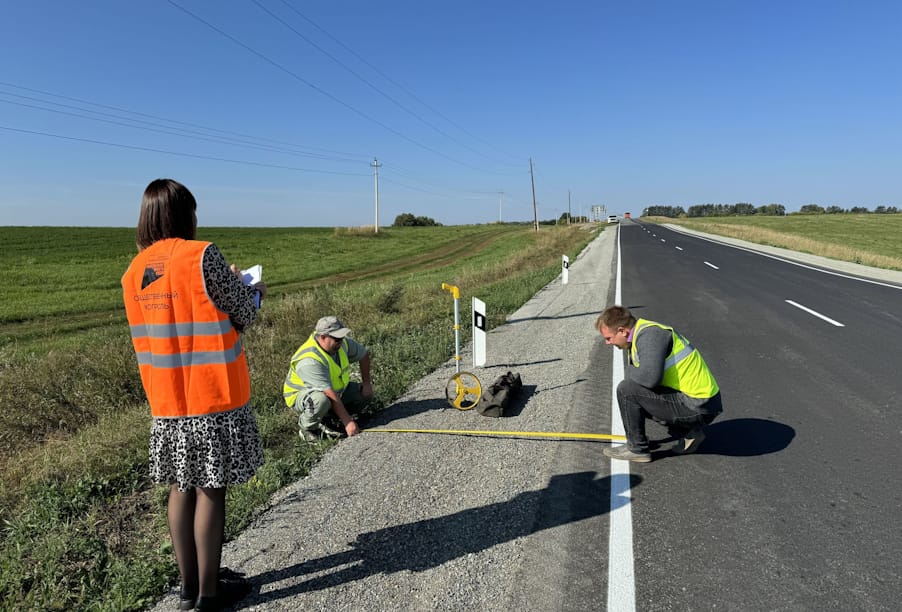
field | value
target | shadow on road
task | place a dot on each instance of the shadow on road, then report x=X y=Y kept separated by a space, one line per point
x=746 y=437
x=428 y=543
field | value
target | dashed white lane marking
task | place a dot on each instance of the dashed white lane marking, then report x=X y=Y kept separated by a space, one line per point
x=815 y=313
x=712 y=265
x=678 y=248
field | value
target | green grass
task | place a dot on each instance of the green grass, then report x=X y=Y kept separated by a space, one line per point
x=76 y=271
x=84 y=529
x=868 y=239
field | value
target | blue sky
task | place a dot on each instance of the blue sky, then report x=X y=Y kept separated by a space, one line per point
x=272 y=111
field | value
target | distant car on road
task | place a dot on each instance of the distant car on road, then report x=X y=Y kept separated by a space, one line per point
x=613 y=219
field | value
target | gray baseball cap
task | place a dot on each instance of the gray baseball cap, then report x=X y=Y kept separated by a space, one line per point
x=331 y=326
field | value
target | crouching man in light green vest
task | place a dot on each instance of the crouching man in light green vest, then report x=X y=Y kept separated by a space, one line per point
x=318 y=385
x=667 y=381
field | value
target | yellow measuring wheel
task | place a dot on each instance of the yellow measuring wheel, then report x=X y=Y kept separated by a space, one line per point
x=463 y=391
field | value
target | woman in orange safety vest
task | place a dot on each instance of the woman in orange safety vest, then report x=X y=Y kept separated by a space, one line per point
x=186 y=310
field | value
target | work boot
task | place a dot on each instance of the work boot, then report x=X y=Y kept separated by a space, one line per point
x=328 y=432
x=624 y=453
x=690 y=443
x=317 y=433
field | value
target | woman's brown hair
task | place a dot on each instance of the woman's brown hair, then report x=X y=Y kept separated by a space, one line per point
x=167 y=211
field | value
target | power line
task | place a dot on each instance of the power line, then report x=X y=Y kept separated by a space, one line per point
x=319 y=89
x=364 y=80
x=191 y=155
x=395 y=83
x=165 y=119
x=165 y=130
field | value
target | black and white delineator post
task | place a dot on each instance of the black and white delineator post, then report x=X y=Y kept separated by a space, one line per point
x=463 y=390
x=478 y=333
x=565 y=270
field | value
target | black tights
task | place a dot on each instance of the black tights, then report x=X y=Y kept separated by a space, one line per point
x=196 y=526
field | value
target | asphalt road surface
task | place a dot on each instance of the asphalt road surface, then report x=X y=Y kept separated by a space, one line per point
x=792 y=503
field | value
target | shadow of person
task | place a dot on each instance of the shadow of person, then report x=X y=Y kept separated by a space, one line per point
x=404 y=409
x=746 y=437
x=428 y=543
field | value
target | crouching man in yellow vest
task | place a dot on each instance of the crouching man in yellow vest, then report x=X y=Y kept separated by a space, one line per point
x=318 y=385
x=668 y=382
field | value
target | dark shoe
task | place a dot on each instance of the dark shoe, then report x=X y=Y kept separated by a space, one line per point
x=230 y=591
x=690 y=443
x=623 y=453
x=187 y=598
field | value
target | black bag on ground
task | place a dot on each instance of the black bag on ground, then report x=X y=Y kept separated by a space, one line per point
x=499 y=394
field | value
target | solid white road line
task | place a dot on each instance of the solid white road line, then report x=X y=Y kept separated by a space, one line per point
x=712 y=265
x=621 y=574
x=815 y=313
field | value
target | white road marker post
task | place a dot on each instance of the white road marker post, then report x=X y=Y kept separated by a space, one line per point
x=478 y=333
x=565 y=270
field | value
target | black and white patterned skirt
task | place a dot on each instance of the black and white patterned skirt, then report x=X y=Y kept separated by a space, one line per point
x=209 y=451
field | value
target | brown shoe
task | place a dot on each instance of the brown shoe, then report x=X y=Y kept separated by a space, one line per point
x=623 y=453
x=690 y=443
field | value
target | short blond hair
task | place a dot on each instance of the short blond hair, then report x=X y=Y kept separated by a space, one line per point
x=613 y=317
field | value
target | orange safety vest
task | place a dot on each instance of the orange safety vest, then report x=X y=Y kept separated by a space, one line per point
x=190 y=356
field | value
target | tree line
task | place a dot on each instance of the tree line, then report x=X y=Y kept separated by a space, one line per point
x=742 y=208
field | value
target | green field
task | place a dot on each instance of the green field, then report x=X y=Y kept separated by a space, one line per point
x=75 y=272
x=868 y=239
x=84 y=529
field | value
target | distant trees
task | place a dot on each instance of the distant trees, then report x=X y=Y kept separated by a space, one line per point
x=409 y=220
x=744 y=209
x=811 y=209
x=672 y=212
x=772 y=210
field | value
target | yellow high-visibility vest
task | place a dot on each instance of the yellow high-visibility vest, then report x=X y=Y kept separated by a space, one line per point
x=339 y=373
x=684 y=369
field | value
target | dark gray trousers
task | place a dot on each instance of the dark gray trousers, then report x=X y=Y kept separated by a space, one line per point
x=663 y=405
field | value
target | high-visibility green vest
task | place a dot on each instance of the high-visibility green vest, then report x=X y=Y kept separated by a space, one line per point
x=684 y=369
x=339 y=373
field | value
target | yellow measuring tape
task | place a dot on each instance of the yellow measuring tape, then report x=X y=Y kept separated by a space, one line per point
x=524 y=434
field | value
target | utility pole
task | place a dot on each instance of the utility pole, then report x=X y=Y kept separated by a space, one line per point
x=535 y=213
x=376 y=165
x=568 y=207
x=500 y=198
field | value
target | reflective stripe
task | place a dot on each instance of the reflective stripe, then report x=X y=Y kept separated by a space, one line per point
x=295 y=389
x=174 y=330
x=178 y=360
x=678 y=357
